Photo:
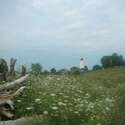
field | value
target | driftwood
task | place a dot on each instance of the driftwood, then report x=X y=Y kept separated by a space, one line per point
x=12 y=66
x=25 y=121
x=3 y=70
x=23 y=72
x=7 y=98
x=13 y=84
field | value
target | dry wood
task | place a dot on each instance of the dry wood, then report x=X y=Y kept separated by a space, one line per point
x=7 y=105
x=12 y=66
x=25 y=121
x=15 y=83
x=6 y=99
x=23 y=73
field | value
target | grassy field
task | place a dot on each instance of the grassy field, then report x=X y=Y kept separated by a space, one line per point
x=93 y=98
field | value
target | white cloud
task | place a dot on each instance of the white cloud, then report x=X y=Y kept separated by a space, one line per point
x=74 y=25
x=87 y=25
x=71 y=13
x=37 y=3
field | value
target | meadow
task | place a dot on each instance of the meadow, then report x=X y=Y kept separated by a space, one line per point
x=91 y=98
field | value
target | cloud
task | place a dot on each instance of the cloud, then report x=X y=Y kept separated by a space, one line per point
x=71 y=13
x=37 y=3
x=73 y=25
x=83 y=25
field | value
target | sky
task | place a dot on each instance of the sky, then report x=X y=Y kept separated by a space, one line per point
x=57 y=33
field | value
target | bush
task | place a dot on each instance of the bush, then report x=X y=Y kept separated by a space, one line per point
x=97 y=67
x=113 y=60
x=75 y=70
x=36 y=68
x=53 y=71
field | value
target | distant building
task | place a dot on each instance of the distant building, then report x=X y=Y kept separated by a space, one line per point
x=82 y=65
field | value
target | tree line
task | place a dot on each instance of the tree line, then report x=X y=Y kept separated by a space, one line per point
x=107 y=61
x=110 y=61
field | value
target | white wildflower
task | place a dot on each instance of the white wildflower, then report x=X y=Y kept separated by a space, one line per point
x=53 y=94
x=37 y=100
x=45 y=112
x=76 y=112
x=60 y=103
x=107 y=108
x=54 y=108
x=19 y=101
x=29 y=108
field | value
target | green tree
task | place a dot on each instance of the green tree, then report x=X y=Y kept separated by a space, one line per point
x=86 y=68
x=97 y=67
x=106 y=61
x=36 y=68
x=53 y=71
x=113 y=60
x=117 y=60
x=63 y=71
x=75 y=70
x=45 y=72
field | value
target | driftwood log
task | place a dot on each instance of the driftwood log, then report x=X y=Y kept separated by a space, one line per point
x=12 y=66
x=16 y=83
x=23 y=72
x=37 y=120
x=3 y=70
x=8 y=94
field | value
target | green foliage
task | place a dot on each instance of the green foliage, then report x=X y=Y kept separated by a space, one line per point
x=53 y=71
x=106 y=61
x=75 y=70
x=95 y=98
x=46 y=72
x=36 y=68
x=113 y=60
x=97 y=67
x=86 y=68
x=63 y=71
x=117 y=60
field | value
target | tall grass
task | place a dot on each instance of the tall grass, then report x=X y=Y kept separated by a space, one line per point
x=94 y=98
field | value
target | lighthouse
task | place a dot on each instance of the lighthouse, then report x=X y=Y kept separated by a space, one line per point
x=82 y=63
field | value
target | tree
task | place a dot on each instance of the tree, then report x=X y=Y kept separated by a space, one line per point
x=97 y=67
x=75 y=70
x=113 y=60
x=3 y=69
x=86 y=68
x=36 y=68
x=106 y=61
x=117 y=60
x=63 y=71
x=53 y=71
x=45 y=72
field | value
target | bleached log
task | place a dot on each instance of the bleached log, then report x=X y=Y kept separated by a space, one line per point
x=6 y=112
x=7 y=105
x=15 y=83
x=24 y=121
x=18 y=92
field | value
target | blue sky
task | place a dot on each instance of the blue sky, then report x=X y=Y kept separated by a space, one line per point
x=57 y=33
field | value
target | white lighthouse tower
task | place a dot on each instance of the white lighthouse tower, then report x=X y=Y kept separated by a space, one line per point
x=82 y=65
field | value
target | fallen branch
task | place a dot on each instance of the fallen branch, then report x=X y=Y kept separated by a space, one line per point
x=6 y=99
x=25 y=121
x=15 y=83
x=7 y=105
